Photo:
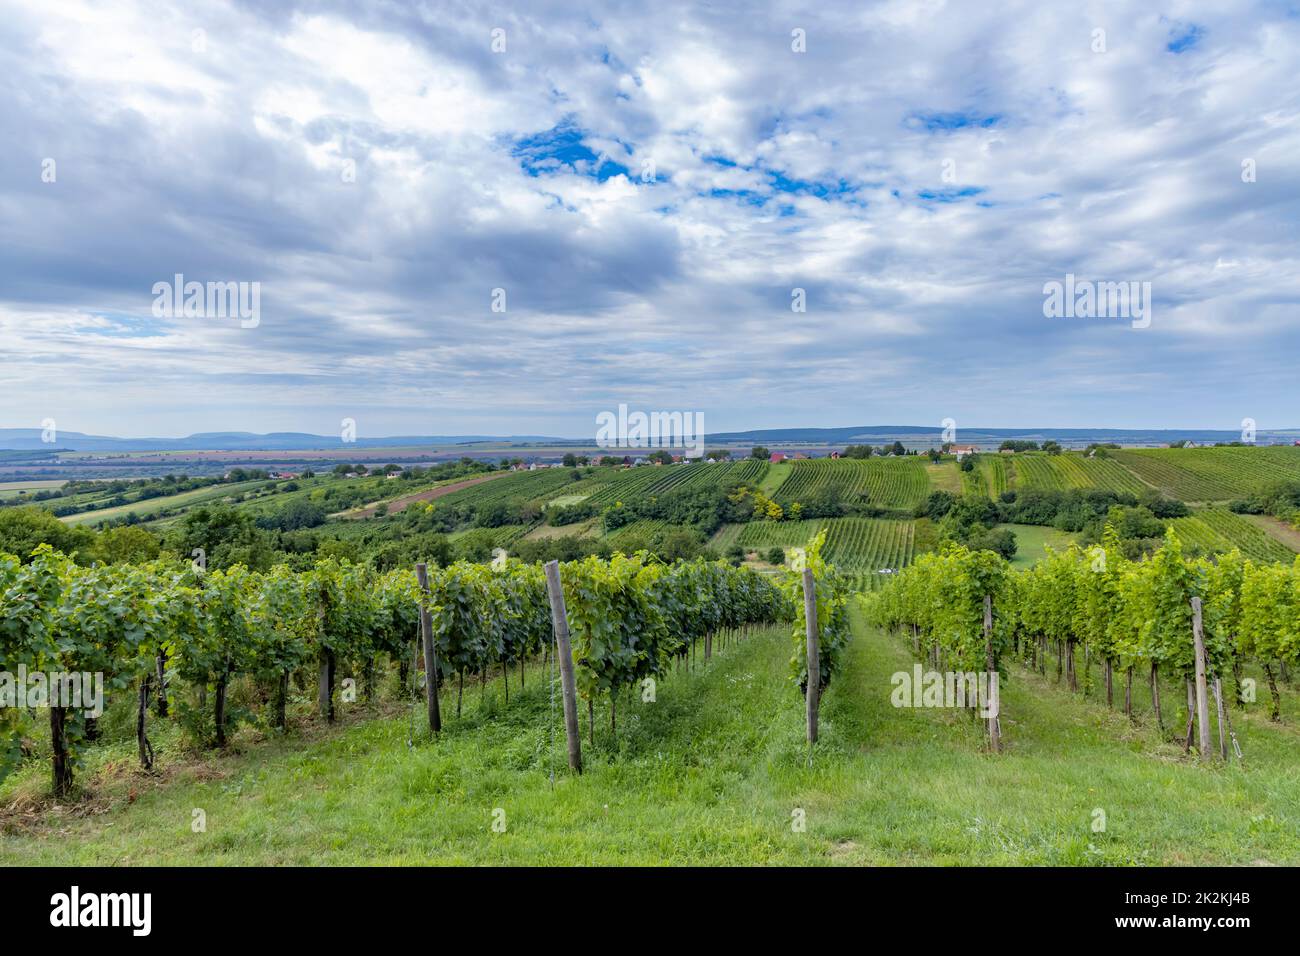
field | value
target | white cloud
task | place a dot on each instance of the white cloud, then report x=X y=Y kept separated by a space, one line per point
x=824 y=170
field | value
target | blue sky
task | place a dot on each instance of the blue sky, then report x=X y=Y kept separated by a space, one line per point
x=647 y=188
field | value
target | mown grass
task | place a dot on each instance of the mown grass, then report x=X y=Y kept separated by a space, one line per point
x=712 y=772
x=1032 y=542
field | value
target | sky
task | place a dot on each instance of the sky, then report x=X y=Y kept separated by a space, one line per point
x=506 y=219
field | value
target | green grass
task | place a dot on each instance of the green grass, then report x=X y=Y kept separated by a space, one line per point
x=710 y=773
x=944 y=476
x=565 y=501
x=775 y=477
x=1032 y=542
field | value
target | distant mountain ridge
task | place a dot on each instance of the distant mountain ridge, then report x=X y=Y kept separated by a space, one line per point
x=29 y=439
x=868 y=434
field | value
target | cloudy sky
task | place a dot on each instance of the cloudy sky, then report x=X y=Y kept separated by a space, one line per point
x=647 y=189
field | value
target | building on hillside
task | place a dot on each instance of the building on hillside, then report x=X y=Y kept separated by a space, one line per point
x=961 y=451
x=777 y=456
x=834 y=454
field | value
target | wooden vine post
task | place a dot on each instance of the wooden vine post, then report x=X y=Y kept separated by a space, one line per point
x=1202 y=700
x=560 y=624
x=430 y=651
x=993 y=702
x=814 y=664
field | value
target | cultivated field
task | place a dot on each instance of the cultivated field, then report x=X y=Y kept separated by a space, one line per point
x=709 y=774
x=1210 y=474
x=886 y=482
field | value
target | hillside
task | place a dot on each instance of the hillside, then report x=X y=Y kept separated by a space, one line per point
x=869 y=506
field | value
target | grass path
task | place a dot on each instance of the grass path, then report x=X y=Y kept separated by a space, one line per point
x=774 y=477
x=710 y=773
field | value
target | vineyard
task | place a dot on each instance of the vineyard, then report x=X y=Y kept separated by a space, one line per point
x=626 y=484
x=900 y=483
x=999 y=475
x=706 y=771
x=533 y=486
x=177 y=639
x=1217 y=531
x=1070 y=471
x=477 y=539
x=1211 y=474
x=852 y=544
x=1167 y=616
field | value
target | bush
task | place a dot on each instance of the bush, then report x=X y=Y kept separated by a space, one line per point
x=1001 y=541
x=776 y=556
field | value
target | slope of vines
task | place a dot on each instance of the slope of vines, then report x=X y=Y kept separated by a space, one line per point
x=158 y=628
x=1135 y=617
x=1211 y=474
x=899 y=483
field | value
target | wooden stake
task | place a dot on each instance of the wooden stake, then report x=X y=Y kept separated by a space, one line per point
x=1202 y=700
x=814 y=662
x=430 y=652
x=563 y=653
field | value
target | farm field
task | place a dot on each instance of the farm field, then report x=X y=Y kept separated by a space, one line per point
x=537 y=486
x=1067 y=471
x=488 y=538
x=589 y=528
x=1276 y=528
x=853 y=545
x=944 y=476
x=401 y=503
x=16 y=489
x=626 y=484
x=187 y=499
x=1210 y=474
x=998 y=473
x=900 y=483
x=1217 y=530
x=708 y=774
